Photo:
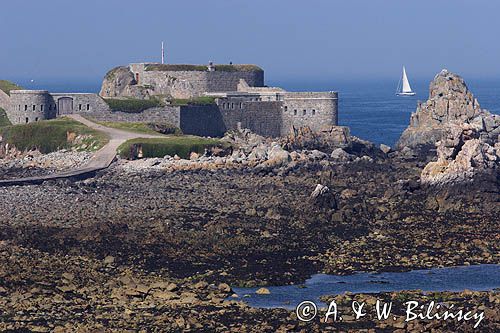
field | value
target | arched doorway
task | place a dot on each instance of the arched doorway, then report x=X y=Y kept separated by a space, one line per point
x=64 y=105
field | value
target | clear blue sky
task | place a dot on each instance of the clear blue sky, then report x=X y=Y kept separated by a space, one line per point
x=314 y=40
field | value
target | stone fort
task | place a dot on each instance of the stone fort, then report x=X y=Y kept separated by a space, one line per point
x=241 y=100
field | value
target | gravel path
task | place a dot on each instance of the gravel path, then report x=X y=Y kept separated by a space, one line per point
x=101 y=160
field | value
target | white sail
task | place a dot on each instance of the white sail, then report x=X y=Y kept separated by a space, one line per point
x=406 y=83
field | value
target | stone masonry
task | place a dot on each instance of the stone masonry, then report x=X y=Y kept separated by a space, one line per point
x=241 y=101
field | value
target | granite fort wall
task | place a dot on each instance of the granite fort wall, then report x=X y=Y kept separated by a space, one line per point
x=263 y=118
x=311 y=109
x=81 y=103
x=167 y=114
x=28 y=106
x=33 y=105
x=202 y=120
x=188 y=84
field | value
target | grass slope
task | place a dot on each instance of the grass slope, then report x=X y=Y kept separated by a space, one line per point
x=7 y=86
x=140 y=127
x=132 y=105
x=172 y=145
x=52 y=135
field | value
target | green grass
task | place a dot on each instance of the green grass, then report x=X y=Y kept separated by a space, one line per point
x=172 y=145
x=7 y=86
x=52 y=135
x=132 y=105
x=184 y=67
x=202 y=100
x=4 y=120
x=139 y=127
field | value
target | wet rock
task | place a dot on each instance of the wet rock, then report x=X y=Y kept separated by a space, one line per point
x=262 y=291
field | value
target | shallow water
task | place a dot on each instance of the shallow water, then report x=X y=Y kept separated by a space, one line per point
x=478 y=277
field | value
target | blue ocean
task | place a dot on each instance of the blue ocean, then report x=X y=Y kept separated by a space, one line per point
x=369 y=108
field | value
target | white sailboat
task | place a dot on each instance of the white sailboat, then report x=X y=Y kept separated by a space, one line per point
x=405 y=88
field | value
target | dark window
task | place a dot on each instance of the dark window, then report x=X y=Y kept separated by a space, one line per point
x=232 y=105
x=241 y=105
x=286 y=108
x=88 y=107
x=41 y=107
x=314 y=112
x=36 y=119
x=25 y=108
x=304 y=112
x=294 y=112
x=34 y=107
x=27 y=120
x=79 y=107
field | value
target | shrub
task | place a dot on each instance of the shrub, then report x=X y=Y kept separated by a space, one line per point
x=159 y=147
x=202 y=100
x=131 y=105
x=52 y=135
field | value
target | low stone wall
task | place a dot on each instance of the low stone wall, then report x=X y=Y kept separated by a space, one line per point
x=202 y=120
x=168 y=114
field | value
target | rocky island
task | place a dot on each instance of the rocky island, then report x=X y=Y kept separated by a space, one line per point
x=155 y=244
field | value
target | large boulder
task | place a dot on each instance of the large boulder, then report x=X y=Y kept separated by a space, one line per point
x=120 y=82
x=463 y=153
x=327 y=139
x=450 y=102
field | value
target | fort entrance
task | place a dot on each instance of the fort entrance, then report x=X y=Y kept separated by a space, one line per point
x=64 y=105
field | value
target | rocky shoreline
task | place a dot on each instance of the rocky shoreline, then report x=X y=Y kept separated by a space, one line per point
x=154 y=244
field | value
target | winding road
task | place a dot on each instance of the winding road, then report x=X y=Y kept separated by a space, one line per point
x=102 y=159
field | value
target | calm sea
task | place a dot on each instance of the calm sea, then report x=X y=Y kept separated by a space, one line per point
x=370 y=108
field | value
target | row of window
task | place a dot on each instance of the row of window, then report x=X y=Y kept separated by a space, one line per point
x=54 y=107
x=232 y=105
x=304 y=111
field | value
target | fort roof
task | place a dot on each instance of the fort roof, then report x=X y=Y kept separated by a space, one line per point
x=151 y=67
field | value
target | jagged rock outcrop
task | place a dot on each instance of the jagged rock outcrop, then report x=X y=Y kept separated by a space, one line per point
x=463 y=153
x=119 y=82
x=450 y=101
x=329 y=138
x=466 y=136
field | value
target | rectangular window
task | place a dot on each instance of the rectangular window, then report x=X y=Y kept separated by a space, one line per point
x=34 y=107
x=294 y=112
x=27 y=120
x=286 y=108
x=232 y=105
x=25 y=108
x=41 y=107
x=314 y=112
x=79 y=107
x=88 y=107
x=304 y=112
x=36 y=119
x=241 y=105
